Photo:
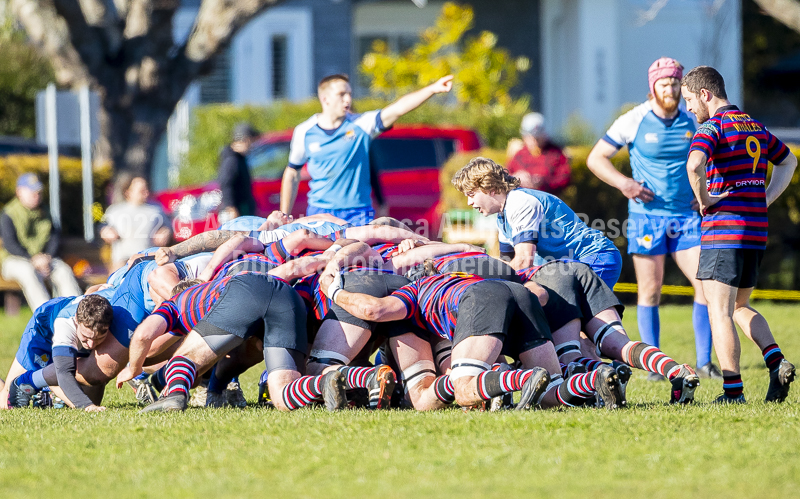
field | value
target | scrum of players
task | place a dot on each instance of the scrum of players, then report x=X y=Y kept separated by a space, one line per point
x=314 y=299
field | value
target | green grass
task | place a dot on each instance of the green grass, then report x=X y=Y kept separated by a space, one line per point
x=649 y=450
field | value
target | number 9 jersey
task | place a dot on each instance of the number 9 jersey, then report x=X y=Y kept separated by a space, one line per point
x=737 y=149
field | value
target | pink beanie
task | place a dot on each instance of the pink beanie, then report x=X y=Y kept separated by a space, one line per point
x=664 y=67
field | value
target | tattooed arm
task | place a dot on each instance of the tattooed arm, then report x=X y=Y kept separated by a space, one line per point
x=207 y=241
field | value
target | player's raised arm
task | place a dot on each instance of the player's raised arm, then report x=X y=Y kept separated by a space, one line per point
x=409 y=102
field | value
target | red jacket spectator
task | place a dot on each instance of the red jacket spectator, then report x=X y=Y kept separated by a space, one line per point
x=537 y=162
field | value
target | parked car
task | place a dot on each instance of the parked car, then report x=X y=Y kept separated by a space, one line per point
x=407 y=157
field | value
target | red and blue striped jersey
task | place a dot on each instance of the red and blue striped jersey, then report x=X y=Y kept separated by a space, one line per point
x=385 y=250
x=527 y=274
x=308 y=289
x=433 y=301
x=737 y=148
x=441 y=262
x=184 y=310
x=249 y=257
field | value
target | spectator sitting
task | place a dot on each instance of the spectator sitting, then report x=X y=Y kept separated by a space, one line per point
x=536 y=160
x=30 y=242
x=134 y=225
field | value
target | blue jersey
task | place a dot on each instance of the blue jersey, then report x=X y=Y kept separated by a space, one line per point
x=319 y=227
x=531 y=216
x=658 y=151
x=338 y=160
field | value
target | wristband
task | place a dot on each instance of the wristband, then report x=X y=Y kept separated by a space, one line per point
x=334 y=247
x=335 y=286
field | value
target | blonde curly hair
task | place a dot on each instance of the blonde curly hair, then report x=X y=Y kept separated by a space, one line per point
x=483 y=174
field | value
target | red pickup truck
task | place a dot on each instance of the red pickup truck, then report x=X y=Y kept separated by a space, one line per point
x=408 y=159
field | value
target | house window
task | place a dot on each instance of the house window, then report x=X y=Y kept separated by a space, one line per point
x=279 y=66
x=216 y=85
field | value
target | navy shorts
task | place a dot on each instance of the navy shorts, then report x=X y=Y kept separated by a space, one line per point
x=737 y=267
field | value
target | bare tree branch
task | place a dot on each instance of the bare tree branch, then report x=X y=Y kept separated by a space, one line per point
x=645 y=16
x=49 y=34
x=785 y=11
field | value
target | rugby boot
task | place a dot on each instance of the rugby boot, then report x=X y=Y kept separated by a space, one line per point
x=779 y=380
x=43 y=399
x=709 y=371
x=199 y=396
x=574 y=368
x=145 y=393
x=683 y=386
x=235 y=396
x=175 y=402
x=724 y=399
x=216 y=400
x=624 y=375
x=381 y=385
x=20 y=394
x=608 y=389
x=533 y=389
x=334 y=387
x=502 y=402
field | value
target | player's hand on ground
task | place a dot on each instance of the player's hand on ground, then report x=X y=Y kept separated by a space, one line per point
x=443 y=85
x=94 y=408
x=126 y=374
x=634 y=189
x=165 y=256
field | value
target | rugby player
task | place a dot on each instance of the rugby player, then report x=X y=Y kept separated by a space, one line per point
x=533 y=223
x=484 y=318
x=727 y=169
x=663 y=212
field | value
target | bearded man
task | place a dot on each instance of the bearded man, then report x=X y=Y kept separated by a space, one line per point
x=663 y=218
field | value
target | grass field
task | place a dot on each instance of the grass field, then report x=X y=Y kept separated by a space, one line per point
x=649 y=450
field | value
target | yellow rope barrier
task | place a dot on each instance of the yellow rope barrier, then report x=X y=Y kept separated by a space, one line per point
x=758 y=294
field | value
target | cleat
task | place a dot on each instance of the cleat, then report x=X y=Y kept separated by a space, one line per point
x=216 y=400
x=334 y=388
x=533 y=389
x=574 y=368
x=43 y=400
x=145 y=393
x=624 y=374
x=709 y=371
x=502 y=402
x=655 y=377
x=235 y=396
x=724 y=399
x=176 y=402
x=20 y=394
x=608 y=389
x=199 y=396
x=779 y=380
x=263 y=392
x=381 y=387
x=683 y=386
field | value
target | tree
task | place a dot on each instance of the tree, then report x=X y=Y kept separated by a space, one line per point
x=125 y=51
x=21 y=76
x=785 y=11
x=484 y=73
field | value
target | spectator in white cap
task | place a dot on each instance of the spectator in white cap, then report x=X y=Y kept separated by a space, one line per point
x=536 y=160
x=30 y=243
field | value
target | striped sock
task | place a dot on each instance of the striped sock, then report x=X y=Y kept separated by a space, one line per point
x=357 y=377
x=159 y=379
x=772 y=356
x=491 y=383
x=651 y=359
x=577 y=390
x=590 y=364
x=302 y=392
x=443 y=388
x=180 y=375
x=732 y=385
x=500 y=367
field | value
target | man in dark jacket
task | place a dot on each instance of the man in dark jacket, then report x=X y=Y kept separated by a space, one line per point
x=30 y=243
x=234 y=176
